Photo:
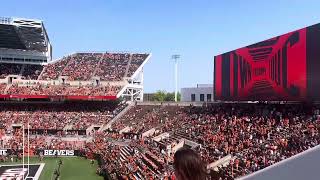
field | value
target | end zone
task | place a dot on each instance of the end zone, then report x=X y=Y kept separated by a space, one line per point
x=17 y=172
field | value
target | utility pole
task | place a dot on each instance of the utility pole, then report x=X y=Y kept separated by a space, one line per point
x=176 y=57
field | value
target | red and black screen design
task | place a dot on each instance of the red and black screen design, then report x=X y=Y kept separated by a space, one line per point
x=286 y=68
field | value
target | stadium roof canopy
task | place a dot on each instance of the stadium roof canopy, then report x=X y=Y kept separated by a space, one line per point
x=23 y=34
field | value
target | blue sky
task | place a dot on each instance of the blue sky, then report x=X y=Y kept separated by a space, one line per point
x=195 y=29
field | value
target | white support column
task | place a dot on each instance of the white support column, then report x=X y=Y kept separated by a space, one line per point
x=134 y=91
x=141 y=83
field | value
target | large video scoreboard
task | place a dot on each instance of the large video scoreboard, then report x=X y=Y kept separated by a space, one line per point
x=283 y=68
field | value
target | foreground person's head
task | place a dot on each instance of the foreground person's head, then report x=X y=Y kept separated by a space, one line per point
x=188 y=165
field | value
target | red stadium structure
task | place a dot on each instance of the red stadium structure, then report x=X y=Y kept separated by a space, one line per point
x=283 y=68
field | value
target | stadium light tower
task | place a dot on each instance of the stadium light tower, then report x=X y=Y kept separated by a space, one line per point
x=176 y=57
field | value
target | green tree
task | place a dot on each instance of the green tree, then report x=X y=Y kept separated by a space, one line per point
x=160 y=96
x=169 y=97
x=179 y=97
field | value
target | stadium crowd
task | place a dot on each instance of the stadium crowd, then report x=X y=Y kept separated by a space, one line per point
x=255 y=135
x=43 y=117
x=136 y=61
x=9 y=68
x=62 y=90
x=245 y=131
x=111 y=67
x=84 y=66
x=37 y=143
x=53 y=70
x=26 y=71
x=31 y=72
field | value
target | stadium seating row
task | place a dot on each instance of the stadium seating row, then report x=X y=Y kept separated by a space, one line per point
x=84 y=66
x=252 y=136
x=59 y=78
x=58 y=117
x=256 y=136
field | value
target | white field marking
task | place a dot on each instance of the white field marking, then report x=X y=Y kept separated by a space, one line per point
x=38 y=173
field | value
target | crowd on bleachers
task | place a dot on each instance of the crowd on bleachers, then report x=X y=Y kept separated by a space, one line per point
x=57 y=116
x=76 y=67
x=26 y=71
x=50 y=122
x=53 y=70
x=255 y=135
x=113 y=66
x=136 y=61
x=82 y=66
x=245 y=131
x=63 y=90
x=8 y=68
x=31 y=72
x=39 y=142
x=2 y=88
x=135 y=160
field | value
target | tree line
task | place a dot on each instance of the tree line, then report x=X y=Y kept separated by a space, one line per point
x=162 y=96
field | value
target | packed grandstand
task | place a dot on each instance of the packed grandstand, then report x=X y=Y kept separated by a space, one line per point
x=242 y=138
x=80 y=74
x=75 y=103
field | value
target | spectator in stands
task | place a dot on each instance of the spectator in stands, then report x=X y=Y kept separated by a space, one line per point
x=102 y=67
x=188 y=165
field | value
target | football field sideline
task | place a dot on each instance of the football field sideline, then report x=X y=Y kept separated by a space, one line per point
x=72 y=168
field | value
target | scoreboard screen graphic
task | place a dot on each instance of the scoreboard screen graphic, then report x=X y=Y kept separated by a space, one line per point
x=283 y=68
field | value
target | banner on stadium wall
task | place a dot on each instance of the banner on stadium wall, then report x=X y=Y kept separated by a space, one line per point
x=4 y=152
x=45 y=152
x=283 y=68
x=60 y=152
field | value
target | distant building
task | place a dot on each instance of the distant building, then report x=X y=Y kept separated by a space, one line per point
x=201 y=93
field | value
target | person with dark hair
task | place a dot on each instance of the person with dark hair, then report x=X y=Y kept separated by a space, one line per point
x=188 y=165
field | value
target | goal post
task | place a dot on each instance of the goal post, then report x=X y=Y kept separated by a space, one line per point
x=28 y=149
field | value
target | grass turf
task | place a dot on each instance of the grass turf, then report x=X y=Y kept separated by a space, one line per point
x=73 y=168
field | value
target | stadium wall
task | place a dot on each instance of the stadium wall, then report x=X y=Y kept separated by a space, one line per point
x=301 y=166
x=283 y=68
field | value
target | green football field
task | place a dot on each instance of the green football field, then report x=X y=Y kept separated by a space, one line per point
x=73 y=168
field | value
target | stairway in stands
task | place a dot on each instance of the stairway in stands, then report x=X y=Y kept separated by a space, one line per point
x=143 y=161
x=126 y=152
